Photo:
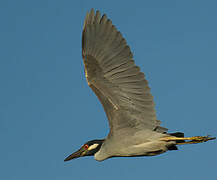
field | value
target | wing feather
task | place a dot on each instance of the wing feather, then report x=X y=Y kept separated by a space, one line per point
x=113 y=76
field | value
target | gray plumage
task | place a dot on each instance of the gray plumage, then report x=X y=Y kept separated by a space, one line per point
x=123 y=92
x=114 y=77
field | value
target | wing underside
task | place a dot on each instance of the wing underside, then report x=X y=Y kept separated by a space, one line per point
x=113 y=76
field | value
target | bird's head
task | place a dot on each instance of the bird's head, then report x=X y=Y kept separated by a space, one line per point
x=88 y=149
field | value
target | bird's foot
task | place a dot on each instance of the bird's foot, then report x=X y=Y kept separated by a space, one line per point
x=190 y=140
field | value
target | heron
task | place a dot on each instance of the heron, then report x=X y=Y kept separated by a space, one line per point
x=125 y=95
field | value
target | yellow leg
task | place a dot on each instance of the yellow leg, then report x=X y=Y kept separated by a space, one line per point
x=191 y=140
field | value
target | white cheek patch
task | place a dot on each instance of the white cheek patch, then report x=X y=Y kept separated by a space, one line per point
x=92 y=147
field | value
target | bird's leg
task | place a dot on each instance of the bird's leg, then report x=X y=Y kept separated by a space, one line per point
x=191 y=140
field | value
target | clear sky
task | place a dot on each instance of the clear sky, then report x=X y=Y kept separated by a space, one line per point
x=47 y=110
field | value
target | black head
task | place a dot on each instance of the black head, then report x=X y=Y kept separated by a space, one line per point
x=88 y=149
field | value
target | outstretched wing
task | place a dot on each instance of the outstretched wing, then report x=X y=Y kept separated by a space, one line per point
x=113 y=76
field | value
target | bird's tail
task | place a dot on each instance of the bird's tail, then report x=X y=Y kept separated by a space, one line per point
x=178 y=134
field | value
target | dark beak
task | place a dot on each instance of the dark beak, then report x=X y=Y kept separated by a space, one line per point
x=77 y=154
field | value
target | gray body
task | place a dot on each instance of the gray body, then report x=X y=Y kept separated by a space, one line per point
x=142 y=143
x=125 y=96
x=123 y=91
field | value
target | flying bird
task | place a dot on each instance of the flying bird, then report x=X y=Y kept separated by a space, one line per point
x=125 y=96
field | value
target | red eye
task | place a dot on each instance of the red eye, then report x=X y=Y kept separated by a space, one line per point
x=86 y=146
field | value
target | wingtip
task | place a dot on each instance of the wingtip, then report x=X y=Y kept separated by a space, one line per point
x=89 y=17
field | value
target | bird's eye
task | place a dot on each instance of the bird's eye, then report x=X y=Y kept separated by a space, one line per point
x=86 y=146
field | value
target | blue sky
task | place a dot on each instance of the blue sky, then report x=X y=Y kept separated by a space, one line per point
x=47 y=109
